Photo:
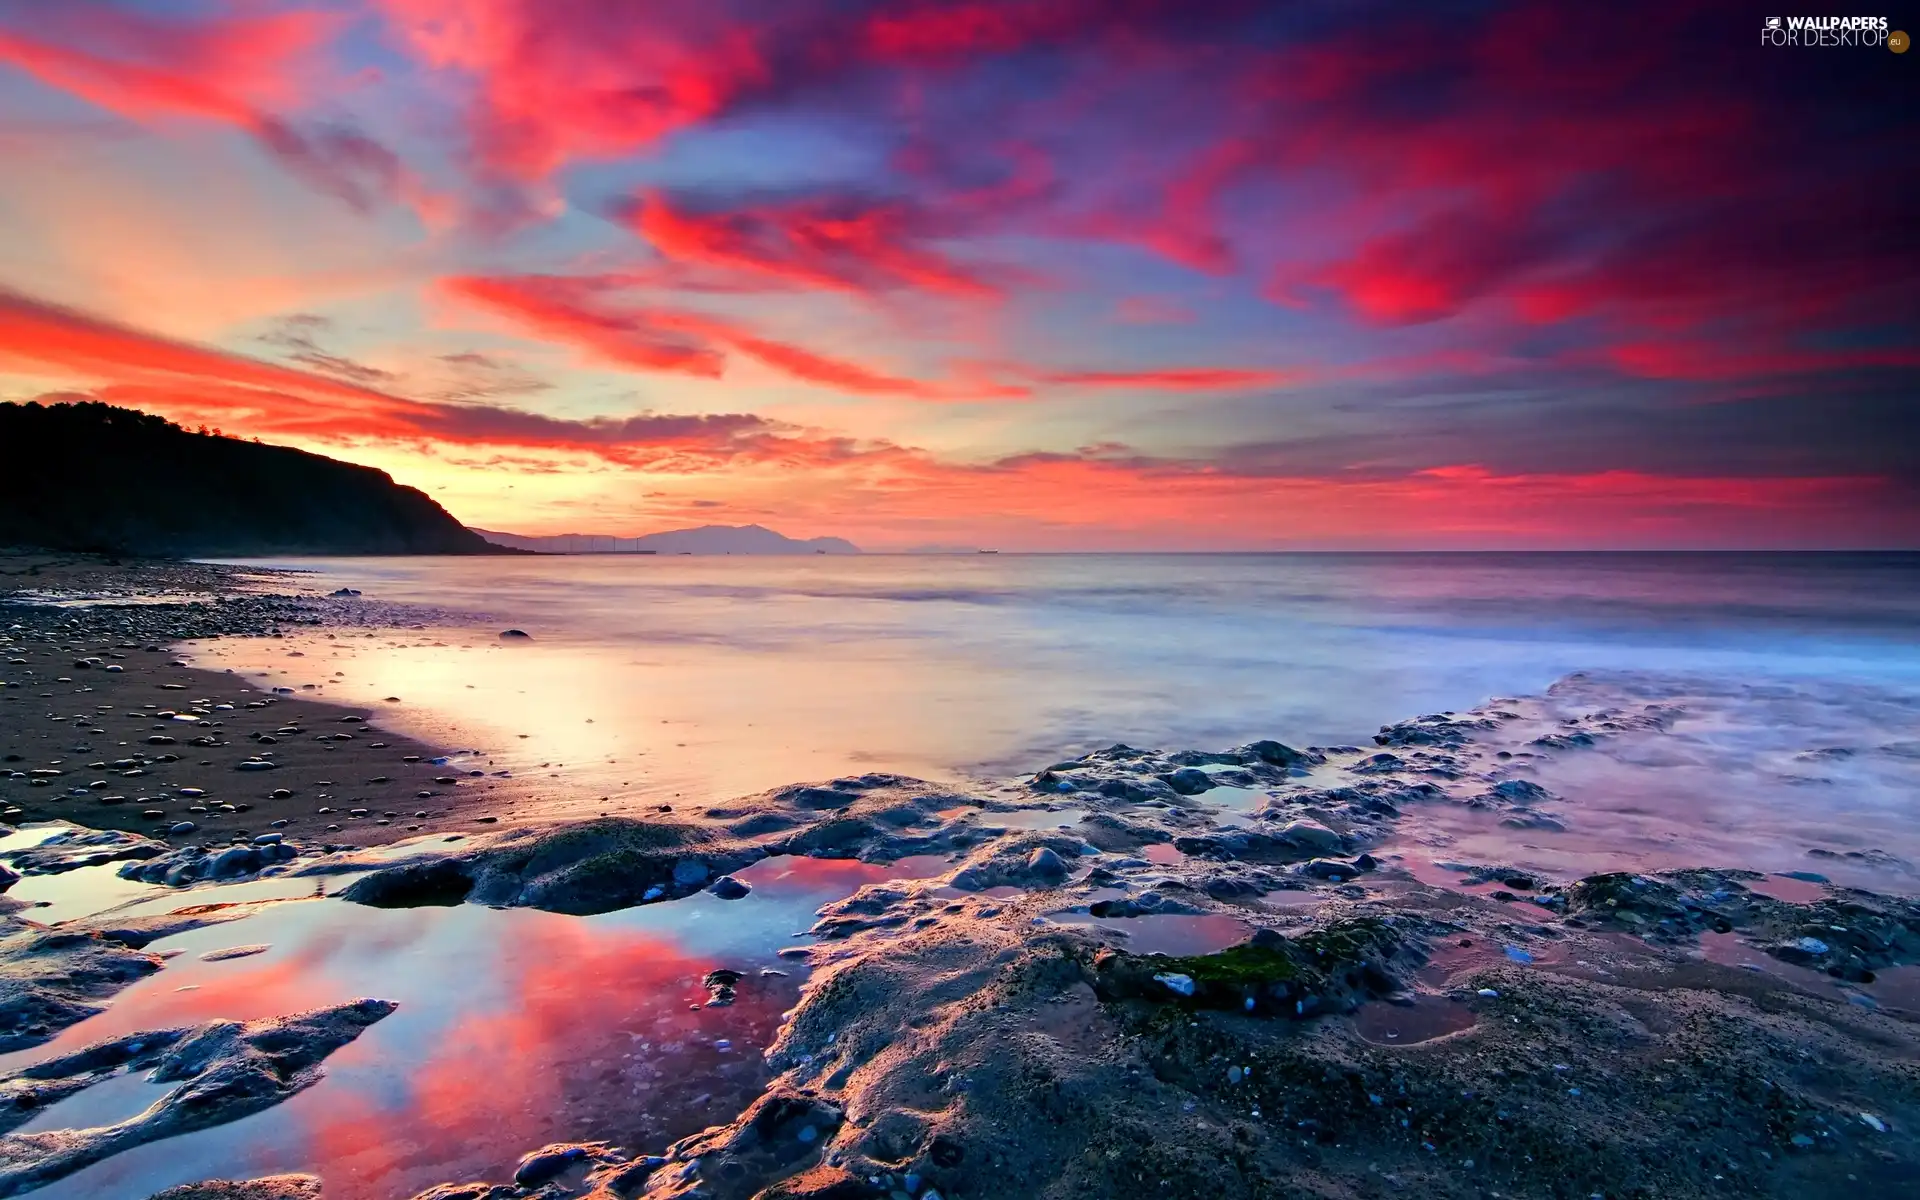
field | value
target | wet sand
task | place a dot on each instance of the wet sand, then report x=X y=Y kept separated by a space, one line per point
x=102 y=725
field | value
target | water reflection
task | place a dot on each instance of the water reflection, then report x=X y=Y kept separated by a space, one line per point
x=515 y=1028
x=1167 y=933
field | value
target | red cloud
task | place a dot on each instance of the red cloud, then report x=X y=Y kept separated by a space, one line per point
x=142 y=67
x=1698 y=360
x=201 y=385
x=1172 y=379
x=843 y=243
x=36 y=334
x=946 y=31
x=237 y=69
x=1056 y=501
x=588 y=79
x=568 y=311
x=584 y=312
x=577 y=311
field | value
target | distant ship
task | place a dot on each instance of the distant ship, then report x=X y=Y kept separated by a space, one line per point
x=986 y=552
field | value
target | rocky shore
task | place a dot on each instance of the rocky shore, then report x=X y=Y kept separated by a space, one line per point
x=1154 y=994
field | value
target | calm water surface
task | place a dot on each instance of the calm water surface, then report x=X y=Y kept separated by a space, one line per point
x=737 y=673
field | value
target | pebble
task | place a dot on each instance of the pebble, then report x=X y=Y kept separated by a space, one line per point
x=1311 y=834
x=728 y=888
x=1488 y=994
x=1045 y=862
x=182 y=827
x=1812 y=945
x=542 y=1166
x=1872 y=1122
x=1518 y=955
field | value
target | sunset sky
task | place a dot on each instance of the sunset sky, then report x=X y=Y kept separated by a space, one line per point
x=1034 y=274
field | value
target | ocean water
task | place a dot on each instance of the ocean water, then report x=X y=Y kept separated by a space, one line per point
x=647 y=678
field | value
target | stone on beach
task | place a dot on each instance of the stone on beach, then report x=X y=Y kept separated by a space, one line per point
x=228 y=952
x=1312 y=835
x=1045 y=863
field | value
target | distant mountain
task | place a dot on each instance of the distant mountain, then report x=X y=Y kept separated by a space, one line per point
x=94 y=477
x=708 y=539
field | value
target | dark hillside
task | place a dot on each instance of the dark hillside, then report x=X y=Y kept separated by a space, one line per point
x=90 y=476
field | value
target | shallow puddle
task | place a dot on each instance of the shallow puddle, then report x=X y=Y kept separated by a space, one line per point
x=1732 y=950
x=1448 y=960
x=78 y=893
x=120 y=1098
x=1433 y=874
x=1427 y=1018
x=515 y=1028
x=1897 y=989
x=26 y=837
x=1788 y=888
x=1034 y=818
x=1290 y=898
x=157 y=900
x=1168 y=933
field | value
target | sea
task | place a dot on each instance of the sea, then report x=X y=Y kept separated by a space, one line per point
x=647 y=678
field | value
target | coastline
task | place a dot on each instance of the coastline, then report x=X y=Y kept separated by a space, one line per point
x=101 y=725
x=1003 y=1021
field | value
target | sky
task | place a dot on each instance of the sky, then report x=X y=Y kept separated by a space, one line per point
x=1033 y=274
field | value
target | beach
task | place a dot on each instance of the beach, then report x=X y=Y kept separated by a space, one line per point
x=141 y=741
x=1427 y=961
